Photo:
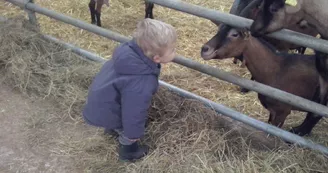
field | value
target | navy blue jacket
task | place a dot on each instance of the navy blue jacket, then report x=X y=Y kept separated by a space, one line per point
x=121 y=93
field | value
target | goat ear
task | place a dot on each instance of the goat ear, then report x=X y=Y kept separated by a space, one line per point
x=292 y=6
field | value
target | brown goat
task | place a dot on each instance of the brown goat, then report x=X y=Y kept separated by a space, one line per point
x=249 y=9
x=293 y=73
x=278 y=14
x=302 y=27
x=96 y=5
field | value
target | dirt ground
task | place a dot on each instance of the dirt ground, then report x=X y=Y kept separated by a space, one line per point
x=18 y=152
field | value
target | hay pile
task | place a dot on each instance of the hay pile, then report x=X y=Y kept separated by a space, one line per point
x=184 y=135
x=41 y=68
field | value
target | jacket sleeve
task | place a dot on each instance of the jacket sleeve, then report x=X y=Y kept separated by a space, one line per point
x=135 y=100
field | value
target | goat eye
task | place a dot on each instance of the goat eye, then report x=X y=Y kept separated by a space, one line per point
x=273 y=9
x=235 y=35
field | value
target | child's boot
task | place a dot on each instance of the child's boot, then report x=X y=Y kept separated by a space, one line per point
x=132 y=152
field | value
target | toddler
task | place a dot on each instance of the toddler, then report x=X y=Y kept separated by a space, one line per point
x=121 y=93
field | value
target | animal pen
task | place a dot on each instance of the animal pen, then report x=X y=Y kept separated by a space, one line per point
x=229 y=19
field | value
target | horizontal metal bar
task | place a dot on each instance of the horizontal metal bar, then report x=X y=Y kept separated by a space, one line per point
x=266 y=90
x=241 y=22
x=81 y=52
x=270 y=129
x=215 y=72
x=180 y=60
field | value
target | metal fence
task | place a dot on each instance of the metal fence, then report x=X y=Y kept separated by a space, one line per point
x=269 y=91
x=270 y=129
x=252 y=85
x=240 y=22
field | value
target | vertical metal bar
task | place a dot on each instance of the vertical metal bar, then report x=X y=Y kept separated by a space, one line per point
x=31 y=14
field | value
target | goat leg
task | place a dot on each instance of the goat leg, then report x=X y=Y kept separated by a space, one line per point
x=146 y=15
x=100 y=3
x=149 y=10
x=311 y=119
x=245 y=90
x=306 y=127
x=235 y=60
x=273 y=114
x=92 y=8
x=243 y=63
x=301 y=50
x=271 y=117
x=279 y=116
x=98 y=18
x=240 y=58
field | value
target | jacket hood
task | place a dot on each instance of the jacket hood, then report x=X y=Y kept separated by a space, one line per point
x=129 y=59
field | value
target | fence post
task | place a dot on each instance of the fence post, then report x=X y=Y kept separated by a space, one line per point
x=31 y=14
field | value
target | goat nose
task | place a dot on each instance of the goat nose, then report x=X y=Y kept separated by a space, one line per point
x=205 y=48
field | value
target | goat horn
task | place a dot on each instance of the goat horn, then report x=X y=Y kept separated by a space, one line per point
x=246 y=10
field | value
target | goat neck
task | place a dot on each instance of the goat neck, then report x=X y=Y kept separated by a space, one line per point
x=315 y=12
x=262 y=62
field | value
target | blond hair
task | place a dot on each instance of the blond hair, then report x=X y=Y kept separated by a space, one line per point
x=154 y=36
